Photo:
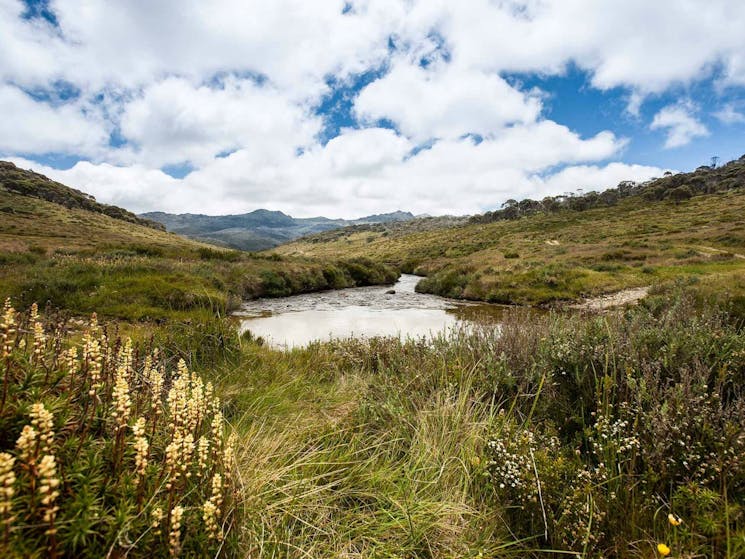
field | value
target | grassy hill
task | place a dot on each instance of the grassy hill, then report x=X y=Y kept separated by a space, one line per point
x=56 y=250
x=29 y=183
x=566 y=254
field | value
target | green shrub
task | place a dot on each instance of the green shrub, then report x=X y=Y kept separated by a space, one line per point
x=103 y=448
x=206 y=253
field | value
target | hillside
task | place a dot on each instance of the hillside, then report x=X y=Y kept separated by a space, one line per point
x=636 y=240
x=260 y=229
x=85 y=260
x=29 y=183
x=33 y=224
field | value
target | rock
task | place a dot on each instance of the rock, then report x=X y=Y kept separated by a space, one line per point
x=390 y=292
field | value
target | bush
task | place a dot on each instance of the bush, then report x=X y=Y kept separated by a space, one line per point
x=206 y=253
x=103 y=448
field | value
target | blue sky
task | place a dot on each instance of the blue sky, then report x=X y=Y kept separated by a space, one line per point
x=350 y=108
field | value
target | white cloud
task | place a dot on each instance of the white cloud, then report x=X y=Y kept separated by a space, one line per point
x=366 y=171
x=443 y=101
x=29 y=126
x=135 y=188
x=296 y=43
x=647 y=46
x=593 y=177
x=189 y=83
x=175 y=121
x=680 y=123
x=729 y=114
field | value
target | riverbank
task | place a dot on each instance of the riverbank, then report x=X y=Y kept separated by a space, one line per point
x=396 y=310
x=390 y=448
x=562 y=256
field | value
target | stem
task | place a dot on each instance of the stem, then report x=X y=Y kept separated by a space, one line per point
x=5 y=383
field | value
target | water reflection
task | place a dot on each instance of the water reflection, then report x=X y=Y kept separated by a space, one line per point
x=366 y=311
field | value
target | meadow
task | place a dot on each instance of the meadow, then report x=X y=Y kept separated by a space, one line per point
x=580 y=434
x=558 y=256
x=153 y=429
x=86 y=262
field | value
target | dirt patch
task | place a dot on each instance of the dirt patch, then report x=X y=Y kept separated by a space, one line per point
x=711 y=250
x=618 y=299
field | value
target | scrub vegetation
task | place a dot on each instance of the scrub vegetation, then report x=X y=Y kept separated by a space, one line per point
x=155 y=430
x=571 y=247
x=85 y=261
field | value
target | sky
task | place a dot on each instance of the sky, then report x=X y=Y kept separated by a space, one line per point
x=346 y=109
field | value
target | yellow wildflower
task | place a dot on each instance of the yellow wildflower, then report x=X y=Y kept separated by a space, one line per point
x=174 y=536
x=26 y=444
x=7 y=482
x=674 y=520
x=663 y=550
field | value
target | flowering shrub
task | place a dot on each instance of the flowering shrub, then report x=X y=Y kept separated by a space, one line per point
x=648 y=410
x=103 y=451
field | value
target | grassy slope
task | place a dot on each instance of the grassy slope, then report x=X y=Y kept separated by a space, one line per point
x=34 y=224
x=35 y=185
x=86 y=261
x=382 y=449
x=563 y=255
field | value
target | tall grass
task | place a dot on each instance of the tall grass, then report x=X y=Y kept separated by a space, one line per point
x=550 y=436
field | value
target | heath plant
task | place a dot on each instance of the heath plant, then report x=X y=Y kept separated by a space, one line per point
x=97 y=448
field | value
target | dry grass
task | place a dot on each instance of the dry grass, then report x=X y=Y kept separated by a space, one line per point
x=567 y=255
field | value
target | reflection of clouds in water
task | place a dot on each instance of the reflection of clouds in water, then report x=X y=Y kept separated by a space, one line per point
x=302 y=327
x=364 y=311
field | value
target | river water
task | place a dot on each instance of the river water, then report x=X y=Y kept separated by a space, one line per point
x=296 y=321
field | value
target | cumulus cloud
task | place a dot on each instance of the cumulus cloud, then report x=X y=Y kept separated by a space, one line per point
x=443 y=101
x=681 y=124
x=31 y=126
x=647 y=46
x=174 y=121
x=98 y=43
x=232 y=88
x=369 y=171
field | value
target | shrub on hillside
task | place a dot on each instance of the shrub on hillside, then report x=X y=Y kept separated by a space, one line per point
x=103 y=451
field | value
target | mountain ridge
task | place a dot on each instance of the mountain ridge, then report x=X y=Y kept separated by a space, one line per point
x=260 y=229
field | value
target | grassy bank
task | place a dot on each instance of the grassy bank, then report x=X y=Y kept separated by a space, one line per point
x=123 y=284
x=563 y=255
x=85 y=261
x=556 y=434
x=560 y=435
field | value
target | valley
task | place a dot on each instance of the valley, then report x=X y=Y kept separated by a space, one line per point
x=491 y=431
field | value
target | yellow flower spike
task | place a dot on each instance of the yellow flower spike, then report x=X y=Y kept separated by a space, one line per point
x=674 y=520
x=663 y=550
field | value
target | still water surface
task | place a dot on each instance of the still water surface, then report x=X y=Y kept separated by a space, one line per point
x=363 y=311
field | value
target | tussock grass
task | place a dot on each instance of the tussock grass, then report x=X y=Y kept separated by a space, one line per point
x=383 y=448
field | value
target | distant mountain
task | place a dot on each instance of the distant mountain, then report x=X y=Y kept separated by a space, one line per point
x=34 y=185
x=260 y=229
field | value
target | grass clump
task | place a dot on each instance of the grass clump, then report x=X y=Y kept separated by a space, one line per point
x=105 y=451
